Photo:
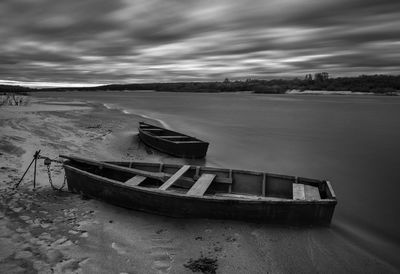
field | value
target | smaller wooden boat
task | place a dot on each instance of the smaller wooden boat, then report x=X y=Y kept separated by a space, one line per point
x=171 y=142
x=203 y=192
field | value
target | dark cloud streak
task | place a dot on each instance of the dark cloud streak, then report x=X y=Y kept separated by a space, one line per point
x=99 y=41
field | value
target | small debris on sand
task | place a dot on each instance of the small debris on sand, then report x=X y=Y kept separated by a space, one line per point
x=94 y=126
x=23 y=255
x=84 y=235
x=67 y=266
x=120 y=250
x=74 y=232
x=231 y=239
x=203 y=265
x=217 y=249
x=161 y=231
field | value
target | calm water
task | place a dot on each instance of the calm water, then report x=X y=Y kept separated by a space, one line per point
x=351 y=140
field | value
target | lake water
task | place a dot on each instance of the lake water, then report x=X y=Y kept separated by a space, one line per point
x=351 y=140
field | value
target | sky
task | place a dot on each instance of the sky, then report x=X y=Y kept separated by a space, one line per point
x=74 y=42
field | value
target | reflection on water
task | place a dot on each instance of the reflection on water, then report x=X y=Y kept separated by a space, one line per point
x=350 y=140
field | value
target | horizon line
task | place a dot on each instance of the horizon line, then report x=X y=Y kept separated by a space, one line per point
x=46 y=84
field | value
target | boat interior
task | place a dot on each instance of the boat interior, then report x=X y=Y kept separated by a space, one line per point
x=207 y=181
x=167 y=134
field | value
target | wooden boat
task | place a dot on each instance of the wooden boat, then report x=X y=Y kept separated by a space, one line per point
x=171 y=142
x=203 y=192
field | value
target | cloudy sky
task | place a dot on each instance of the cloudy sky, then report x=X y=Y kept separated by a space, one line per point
x=120 y=41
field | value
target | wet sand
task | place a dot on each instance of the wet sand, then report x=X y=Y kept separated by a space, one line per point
x=59 y=232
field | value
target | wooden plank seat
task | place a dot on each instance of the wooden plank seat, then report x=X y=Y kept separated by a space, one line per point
x=312 y=192
x=135 y=180
x=174 y=177
x=201 y=185
x=298 y=192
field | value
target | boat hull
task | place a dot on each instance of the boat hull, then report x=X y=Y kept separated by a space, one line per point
x=179 y=150
x=195 y=149
x=179 y=205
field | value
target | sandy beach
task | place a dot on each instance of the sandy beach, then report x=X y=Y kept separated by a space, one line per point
x=46 y=231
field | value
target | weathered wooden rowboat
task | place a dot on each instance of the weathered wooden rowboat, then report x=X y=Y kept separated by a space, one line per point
x=203 y=192
x=171 y=142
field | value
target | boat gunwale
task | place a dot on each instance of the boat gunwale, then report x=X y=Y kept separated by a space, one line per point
x=143 y=131
x=240 y=171
x=213 y=198
x=332 y=192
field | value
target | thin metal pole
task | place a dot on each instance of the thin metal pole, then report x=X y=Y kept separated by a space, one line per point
x=16 y=186
x=34 y=175
x=34 y=172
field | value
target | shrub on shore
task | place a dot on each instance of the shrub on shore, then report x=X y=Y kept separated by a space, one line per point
x=12 y=99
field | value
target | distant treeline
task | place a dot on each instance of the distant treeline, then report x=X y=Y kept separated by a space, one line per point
x=380 y=84
x=14 y=89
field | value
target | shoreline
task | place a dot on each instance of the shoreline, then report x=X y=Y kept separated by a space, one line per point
x=289 y=92
x=50 y=231
x=329 y=92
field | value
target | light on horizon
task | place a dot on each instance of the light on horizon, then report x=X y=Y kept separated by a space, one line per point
x=31 y=84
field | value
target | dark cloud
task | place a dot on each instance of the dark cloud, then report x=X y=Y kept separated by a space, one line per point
x=99 y=41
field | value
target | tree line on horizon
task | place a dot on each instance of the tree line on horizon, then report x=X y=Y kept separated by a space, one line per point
x=14 y=89
x=379 y=84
